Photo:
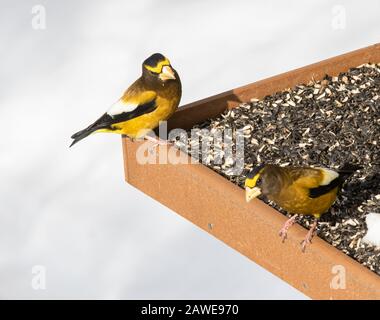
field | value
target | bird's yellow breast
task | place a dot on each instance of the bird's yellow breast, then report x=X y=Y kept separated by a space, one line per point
x=295 y=199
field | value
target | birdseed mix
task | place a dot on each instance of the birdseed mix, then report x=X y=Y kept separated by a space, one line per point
x=324 y=123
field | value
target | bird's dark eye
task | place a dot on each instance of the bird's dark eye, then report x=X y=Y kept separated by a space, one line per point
x=258 y=182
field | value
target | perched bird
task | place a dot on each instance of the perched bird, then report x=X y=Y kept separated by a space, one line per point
x=150 y=99
x=298 y=190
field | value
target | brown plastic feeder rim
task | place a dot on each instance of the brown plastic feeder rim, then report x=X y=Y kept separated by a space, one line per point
x=218 y=206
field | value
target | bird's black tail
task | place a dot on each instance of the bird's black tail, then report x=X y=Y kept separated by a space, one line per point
x=346 y=171
x=82 y=134
x=101 y=123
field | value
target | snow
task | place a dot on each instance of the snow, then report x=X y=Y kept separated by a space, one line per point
x=373 y=224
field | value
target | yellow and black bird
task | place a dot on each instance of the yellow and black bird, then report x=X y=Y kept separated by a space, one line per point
x=298 y=190
x=152 y=98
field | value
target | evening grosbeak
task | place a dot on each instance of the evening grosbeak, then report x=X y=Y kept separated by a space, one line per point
x=298 y=190
x=152 y=98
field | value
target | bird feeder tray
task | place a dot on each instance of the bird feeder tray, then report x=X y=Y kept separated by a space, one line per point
x=218 y=206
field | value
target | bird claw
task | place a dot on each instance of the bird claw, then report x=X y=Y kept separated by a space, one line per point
x=304 y=244
x=283 y=233
x=156 y=142
x=152 y=149
x=307 y=241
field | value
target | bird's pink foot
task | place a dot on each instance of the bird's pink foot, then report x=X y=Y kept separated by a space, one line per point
x=309 y=236
x=284 y=230
x=156 y=142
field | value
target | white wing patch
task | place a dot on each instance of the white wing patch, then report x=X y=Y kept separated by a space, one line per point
x=328 y=176
x=120 y=107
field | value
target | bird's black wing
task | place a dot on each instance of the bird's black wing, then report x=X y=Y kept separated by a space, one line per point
x=321 y=190
x=106 y=120
x=344 y=173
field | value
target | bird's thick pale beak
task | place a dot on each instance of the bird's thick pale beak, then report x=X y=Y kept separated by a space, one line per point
x=251 y=193
x=167 y=73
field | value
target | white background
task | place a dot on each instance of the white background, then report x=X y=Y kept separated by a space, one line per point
x=70 y=210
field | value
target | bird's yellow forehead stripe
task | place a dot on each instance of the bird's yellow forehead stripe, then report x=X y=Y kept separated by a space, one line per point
x=251 y=183
x=159 y=66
